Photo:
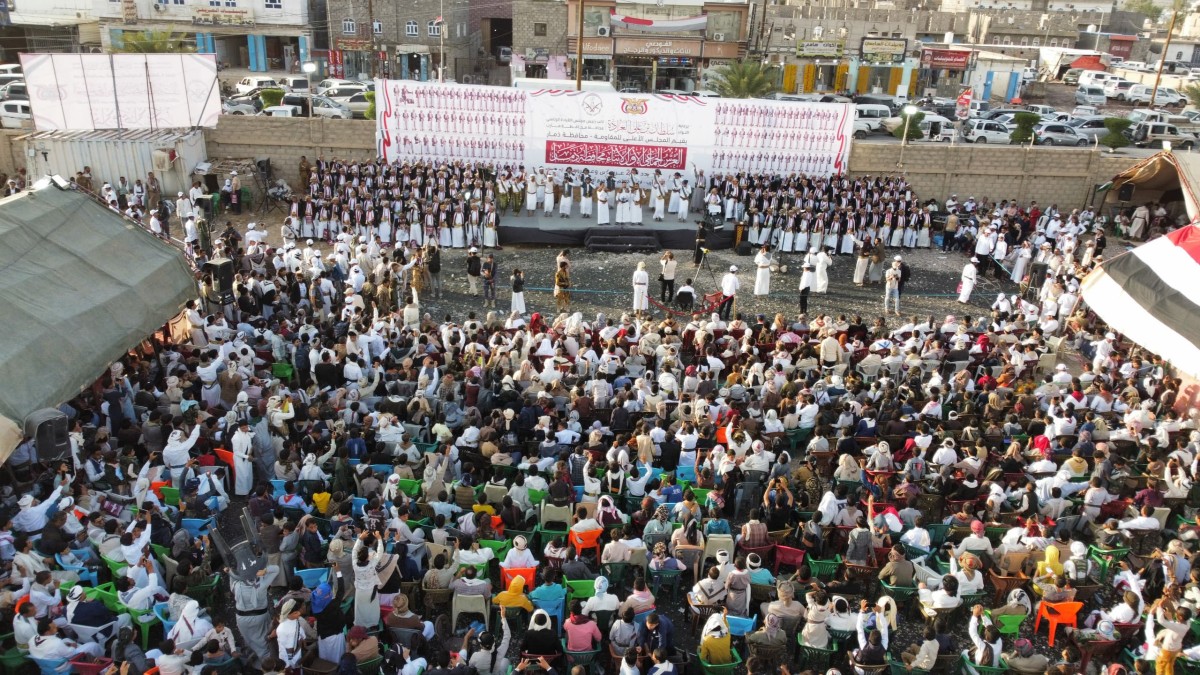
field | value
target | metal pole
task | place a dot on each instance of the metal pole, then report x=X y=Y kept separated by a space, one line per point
x=1163 y=61
x=442 y=42
x=374 y=43
x=903 y=142
x=579 y=48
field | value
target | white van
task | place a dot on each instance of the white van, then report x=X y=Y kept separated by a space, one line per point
x=15 y=114
x=977 y=108
x=282 y=111
x=1097 y=77
x=872 y=113
x=1090 y=94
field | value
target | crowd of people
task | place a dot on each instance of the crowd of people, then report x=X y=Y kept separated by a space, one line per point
x=797 y=477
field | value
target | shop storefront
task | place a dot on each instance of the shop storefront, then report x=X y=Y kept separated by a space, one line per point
x=653 y=64
x=412 y=62
x=943 y=70
x=351 y=58
x=881 y=66
x=822 y=68
x=597 y=59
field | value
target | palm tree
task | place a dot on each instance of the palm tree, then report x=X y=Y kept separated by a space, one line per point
x=154 y=42
x=1192 y=93
x=743 y=79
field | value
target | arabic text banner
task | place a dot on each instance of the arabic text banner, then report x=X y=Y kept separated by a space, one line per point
x=610 y=131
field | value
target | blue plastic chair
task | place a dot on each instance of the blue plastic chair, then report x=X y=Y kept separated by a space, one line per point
x=160 y=611
x=578 y=494
x=52 y=666
x=277 y=488
x=84 y=573
x=357 y=504
x=197 y=526
x=741 y=626
x=313 y=577
x=687 y=473
x=382 y=471
x=640 y=619
x=555 y=609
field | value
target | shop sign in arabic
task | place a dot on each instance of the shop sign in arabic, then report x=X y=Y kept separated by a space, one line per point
x=223 y=16
x=616 y=154
x=883 y=51
x=636 y=47
x=819 y=49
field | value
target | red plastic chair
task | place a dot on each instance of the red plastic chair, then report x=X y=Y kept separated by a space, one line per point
x=585 y=540
x=227 y=457
x=786 y=555
x=1064 y=613
x=498 y=525
x=157 y=487
x=764 y=552
x=90 y=667
x=507 y=574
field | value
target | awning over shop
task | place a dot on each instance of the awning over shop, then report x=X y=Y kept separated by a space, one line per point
x=1088 y=62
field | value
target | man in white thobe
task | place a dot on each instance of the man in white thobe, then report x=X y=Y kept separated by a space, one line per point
x=821 y=264
x=967 y=281
x=762 y=278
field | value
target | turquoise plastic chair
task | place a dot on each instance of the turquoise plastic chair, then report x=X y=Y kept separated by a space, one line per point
x=161 y=611
x=741 y=626
x=84 y=573
x=52 y=666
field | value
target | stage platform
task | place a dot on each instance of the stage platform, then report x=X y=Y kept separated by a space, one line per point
x=573 y=231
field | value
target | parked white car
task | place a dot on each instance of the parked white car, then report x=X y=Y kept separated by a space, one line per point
x=297 y=84
x=1118 y=88
x=246 y=84
x=1057 y=133
x=15 y=114
x=357 y=104
x=1141 y=94
x=986 y=131
x=331 y=83
x=238 y=107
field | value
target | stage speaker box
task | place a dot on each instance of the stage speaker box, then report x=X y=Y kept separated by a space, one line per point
x=48 y=428
x=221 y=270
x=264 y=167
x=743 y=249
x=1125 y=194
x=212 y=183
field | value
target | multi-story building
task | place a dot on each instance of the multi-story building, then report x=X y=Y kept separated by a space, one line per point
x=409 y=40
x=636 y=46
x=259 y=35
x=59 y=26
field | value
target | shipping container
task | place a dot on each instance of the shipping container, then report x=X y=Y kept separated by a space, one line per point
x=171 y=155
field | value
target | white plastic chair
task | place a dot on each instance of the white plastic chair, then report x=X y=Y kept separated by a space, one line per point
x=469 y=604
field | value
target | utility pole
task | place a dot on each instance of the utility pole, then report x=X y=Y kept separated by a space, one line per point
x=442 y=41
x=579 y=47
x=1163 y=61
x=374 y=44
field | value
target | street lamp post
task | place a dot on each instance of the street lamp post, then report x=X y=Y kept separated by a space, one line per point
x=309 y=68
x=909 y=111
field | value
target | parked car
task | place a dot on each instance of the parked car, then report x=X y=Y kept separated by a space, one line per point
x=240 y=106
x=14 y=90
x=1084 y=111
x=15 y=114
x=331 y=83
x=1057 y=133
x=345 y=91
x=1029 y=74
x=1118 y=88
x=1044 y=110
x=357 y=104
x=1089 y=126
x=317 y=106
x=282 y=111
x=996 y=113
x=1157 y=134
x=1141 y=94
x=1072 y=76
x=294 y=83
x=985 y=131
x=1090 y=94
x=1095 y=77
x=255 y=82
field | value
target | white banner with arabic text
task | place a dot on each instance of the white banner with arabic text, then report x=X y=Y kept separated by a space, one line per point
x=610 y=131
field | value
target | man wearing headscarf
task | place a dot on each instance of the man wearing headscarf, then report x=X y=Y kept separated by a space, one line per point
x=32 y=517
x=191 y=628
x=514 y=596
x=83 y=612
x=252 y=607
x=519 y=556
x=290 y=634
x=175 y=453
x=331 y=620
x=242 y=445
x=715 y=641
x=770 y=635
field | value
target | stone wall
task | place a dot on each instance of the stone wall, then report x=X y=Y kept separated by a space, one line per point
x=1063 y=176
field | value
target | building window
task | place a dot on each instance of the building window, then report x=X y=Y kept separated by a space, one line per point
x=539 y=30
x=434 y=28
x=349 y=27
x=995 y=39
x=377 y=27
x=214 y=3
x=1024 y=42
x=231 y=3
x=411 y=29
x=1053 y=42
x=1037 y=42
x=269 y=4
x=1007 y=40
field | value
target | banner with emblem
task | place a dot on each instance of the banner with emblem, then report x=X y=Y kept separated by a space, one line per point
x=610 y=131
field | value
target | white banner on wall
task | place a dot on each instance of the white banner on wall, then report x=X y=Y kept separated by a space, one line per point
x=610 y=131
x=81 y=92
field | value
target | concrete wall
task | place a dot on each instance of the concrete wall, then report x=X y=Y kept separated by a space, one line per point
x=284 y=140
x=1050 y=175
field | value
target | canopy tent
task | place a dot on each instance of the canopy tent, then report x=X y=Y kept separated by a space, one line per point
x=1150 y=293
x=1159 y=177
x=1088 y=62
x=79 y=286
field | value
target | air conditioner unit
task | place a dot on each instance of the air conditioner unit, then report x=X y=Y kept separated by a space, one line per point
x=719 y=37
x=603 y=31
x=158 y=7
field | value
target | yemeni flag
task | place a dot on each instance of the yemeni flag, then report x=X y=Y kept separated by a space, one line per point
x=699 y=22
x=1151 y=295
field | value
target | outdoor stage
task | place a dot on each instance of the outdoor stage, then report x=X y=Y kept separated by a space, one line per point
x=555 y=231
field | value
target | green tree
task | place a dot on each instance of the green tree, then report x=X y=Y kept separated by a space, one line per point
x=743 y=79
x=154 y=42
x=1146 y=7
x=370 y=113
x=1192 y=92
x=270 y=97
x=1025 y=122
x=1115 y=138
x=914 y=126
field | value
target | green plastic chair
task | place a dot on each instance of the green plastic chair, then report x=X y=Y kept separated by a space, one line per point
x=1008 y=624
x=585 y=659
x=824 y=569
x=410 y=487
x=901 y=594
x=722 y=669
x=500 y=548
x=546 y=534
x=144 y=619
x=815 y=657
x=117 y=567
x=204 y=592
x=937 y=534
x=370 y=666
x=580 y=590
x=668 y=578
x=898 y=668
x=12 y=661
x=615 y=573
x=161 y=551
x=170 y=496
x=1106 y=559
x=536 y=497
x=965 y=663
x=107 y=594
